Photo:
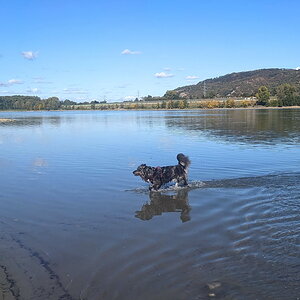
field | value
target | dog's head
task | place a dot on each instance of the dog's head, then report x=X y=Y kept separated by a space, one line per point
x=142 y=171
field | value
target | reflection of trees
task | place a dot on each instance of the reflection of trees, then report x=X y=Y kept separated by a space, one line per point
x=249 y=126
x=23 y=122
x=160 y=203
x=33 y=121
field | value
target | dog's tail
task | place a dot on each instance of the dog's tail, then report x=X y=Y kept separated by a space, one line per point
x=183 y=160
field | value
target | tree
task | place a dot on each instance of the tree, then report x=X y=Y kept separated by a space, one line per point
x=263 y=95
x=170 y=104
x=185 y=103
x=181 y=104
x=229 y=103
x=163 y=105
x=211 y=94
x=286 y=95
x=68 y=102
x=171 y=95
x=52 y=103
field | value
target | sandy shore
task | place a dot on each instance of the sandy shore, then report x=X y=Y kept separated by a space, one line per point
x=25 y=273
x=6 y=121
x=5 y=286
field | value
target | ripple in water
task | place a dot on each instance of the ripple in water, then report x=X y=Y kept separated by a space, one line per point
x=240 y=240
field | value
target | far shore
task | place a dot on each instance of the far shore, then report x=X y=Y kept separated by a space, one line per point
x=7 y=120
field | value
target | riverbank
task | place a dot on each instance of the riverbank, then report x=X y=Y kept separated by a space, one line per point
x=3 y=120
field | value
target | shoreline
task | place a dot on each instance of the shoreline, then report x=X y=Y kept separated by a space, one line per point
x=6 y=285
x=2 y=120
x=7 y=120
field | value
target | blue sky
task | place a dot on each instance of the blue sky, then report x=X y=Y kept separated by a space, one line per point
x=116 y=50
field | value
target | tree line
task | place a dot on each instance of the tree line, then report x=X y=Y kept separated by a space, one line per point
x=285 y=95
x=36 y=103
x=32 y=103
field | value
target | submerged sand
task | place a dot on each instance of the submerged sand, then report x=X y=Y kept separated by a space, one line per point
x=6 y=120
x=5 y=286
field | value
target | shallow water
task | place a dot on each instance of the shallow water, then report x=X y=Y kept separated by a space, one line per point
x=76 y=224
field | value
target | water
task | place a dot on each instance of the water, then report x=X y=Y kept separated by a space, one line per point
x=76 y=224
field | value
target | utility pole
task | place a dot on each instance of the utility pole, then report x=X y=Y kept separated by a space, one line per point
x=204 y=89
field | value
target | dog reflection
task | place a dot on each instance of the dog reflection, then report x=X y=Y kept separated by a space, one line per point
x=160 y=203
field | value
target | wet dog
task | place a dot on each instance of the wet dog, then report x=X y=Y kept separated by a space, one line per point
x=158 y=176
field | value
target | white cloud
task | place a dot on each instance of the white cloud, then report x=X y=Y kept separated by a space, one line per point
x=41 y=80
x=191 y=77
x=167 y=69
x=14 y=81
x=11 y=82
x=33 y=90
x=74 y=91
x=130 y=52
x=298 y=68
x=30 y=55
x=163 y=75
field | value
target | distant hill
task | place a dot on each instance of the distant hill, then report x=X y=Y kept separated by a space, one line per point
x=241 y=84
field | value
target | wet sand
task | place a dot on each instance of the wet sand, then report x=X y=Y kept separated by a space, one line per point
x=6 y=120
x=25 y=274
x=5 y=292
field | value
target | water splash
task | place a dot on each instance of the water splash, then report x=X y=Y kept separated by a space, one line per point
x=171 y=188
x=269 y=180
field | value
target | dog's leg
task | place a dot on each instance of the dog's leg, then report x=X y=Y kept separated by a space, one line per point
x=185 y=181
x=156 y=186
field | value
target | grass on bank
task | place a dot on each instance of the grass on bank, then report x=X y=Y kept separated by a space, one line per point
x=171 y=104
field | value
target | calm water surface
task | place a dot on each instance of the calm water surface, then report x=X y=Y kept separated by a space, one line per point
x=76 y=224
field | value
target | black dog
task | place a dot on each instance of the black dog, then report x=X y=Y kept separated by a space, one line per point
x=158 y=176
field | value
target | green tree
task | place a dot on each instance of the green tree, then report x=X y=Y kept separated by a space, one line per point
x=52 y=103
x=171 y=95
x=286 y=95
x=163 y=105
x=148 y=98
x=170 y=104
x=181 y=104
x=68 y=102
x=176 y=104
x=185 y=103
x=263 y=95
